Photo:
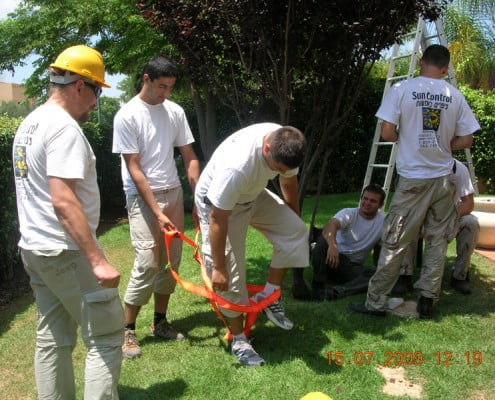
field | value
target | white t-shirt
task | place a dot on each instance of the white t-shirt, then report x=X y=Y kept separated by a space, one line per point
x=429 y=113
x=237 y=172
x=357 y=235
x=50 y=143
x=152 y=131
x=462 y=180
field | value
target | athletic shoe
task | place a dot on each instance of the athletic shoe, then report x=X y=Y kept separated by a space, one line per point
x=163 y=330
x=275 y=312
x=245 y=353
x=362 y=309
x=130 y=348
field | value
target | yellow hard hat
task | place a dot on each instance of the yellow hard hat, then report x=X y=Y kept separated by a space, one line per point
x=316 y=396
x=84 y=61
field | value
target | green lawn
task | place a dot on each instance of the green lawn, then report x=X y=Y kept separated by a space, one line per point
x=296 y=361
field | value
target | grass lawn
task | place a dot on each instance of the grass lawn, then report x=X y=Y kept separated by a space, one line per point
x=449 y=357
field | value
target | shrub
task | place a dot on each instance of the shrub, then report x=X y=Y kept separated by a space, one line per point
x=483 y=150
x=9 y=228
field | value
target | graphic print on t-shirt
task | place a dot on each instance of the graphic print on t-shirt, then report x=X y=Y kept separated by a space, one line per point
x=20 y=166
x=431 y=119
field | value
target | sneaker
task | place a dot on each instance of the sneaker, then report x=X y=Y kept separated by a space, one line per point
x=163 y=330
x=425 y=308
x=275 y=312
x=130 y=348
x=362 y=309
x=460 y=285
x=245 y=353
x=403 y=285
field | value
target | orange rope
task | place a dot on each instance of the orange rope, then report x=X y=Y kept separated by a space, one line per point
x=252 y=310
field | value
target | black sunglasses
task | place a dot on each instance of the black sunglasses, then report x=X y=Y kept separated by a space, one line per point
x=96 y=89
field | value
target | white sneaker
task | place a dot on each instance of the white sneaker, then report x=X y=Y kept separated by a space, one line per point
x=275 y=312
x=245 y=353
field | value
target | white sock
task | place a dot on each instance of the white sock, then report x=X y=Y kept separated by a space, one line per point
x=240 y=336
x=269 y=289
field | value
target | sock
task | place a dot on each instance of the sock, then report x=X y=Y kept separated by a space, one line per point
x=130 y=327
x=158 y=317
x=269 y=289
x=240 y=336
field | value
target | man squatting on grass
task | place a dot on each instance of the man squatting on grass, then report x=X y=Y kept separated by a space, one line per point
x=433 y=119
x=230 y=196
x=59 y=208
x=345 y=242
x=146 y=130
x=466 y=237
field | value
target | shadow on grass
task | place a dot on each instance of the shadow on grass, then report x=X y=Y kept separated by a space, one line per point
x=166 y=390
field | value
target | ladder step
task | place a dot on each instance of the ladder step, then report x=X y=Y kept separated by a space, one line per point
x=402 y=56
x=397 y=78
x=381 y=165
x=384 y=143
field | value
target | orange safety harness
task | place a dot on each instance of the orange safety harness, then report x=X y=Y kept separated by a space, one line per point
x=252 y=310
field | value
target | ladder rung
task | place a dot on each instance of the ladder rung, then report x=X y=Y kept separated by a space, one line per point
x=384 y=143
x=432 y=36
x=396 y=78
x=381 y=165
x=402 y=56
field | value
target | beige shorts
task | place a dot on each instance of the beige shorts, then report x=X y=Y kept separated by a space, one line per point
x=148 y=274
x=277 y=222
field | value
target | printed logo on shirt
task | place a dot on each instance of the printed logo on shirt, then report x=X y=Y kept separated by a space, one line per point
x=20 y=165
x=431 y=119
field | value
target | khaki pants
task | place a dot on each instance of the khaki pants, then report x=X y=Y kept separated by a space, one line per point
x=416 y=203
x=67 y=295
x=276 y=221
x=148 y=274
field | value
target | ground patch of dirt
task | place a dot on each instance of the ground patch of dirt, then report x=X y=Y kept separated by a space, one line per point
x=397 y=384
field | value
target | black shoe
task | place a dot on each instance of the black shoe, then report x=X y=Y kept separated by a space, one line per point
x=404 y=284
x=460 y=285
x=425 y=308
x=361 y=308
x=301 y=292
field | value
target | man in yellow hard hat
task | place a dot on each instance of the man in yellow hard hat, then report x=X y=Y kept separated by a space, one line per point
x=58 y=205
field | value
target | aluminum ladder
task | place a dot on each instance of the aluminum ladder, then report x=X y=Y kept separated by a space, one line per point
x=421 y=39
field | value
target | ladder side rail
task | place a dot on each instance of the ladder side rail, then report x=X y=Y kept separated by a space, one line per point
x=390 y=171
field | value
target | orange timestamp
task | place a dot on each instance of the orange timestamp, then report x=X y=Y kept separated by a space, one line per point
x=398 y=358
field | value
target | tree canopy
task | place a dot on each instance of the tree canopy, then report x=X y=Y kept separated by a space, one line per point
x=308 y=57
x=43 y=28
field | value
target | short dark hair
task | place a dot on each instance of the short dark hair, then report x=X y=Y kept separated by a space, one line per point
x=159 y=67
x=437 y=55
x=374 y=188
x=287 y=146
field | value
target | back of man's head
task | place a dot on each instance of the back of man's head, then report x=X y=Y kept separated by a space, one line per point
x=376 y=189
x=436 y=55
x=159 y=67
x=287 y=146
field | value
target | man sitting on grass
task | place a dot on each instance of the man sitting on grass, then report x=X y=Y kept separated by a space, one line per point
x=344 y=245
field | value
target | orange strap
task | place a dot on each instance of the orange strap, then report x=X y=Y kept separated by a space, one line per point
x=252 y=310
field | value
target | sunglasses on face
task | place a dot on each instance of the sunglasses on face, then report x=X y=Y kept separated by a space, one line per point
x=96 y=89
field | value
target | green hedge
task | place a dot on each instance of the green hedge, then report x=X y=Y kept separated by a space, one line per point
x=483 y=150
x=9 y=228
